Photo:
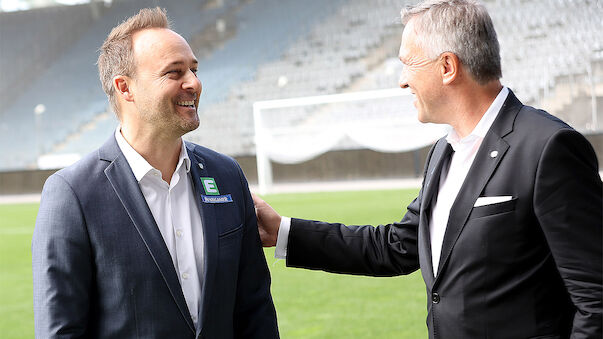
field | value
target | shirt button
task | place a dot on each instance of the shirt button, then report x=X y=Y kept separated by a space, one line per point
x=184 y=275
x=178 y=233
x=435 y=298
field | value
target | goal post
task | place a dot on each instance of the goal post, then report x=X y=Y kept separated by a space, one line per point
x=294 y=130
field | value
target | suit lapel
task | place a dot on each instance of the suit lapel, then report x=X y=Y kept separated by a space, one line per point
x=126 y=187
x=479 y=174
x=210 y=232
x=489 y=155
x=440 y=154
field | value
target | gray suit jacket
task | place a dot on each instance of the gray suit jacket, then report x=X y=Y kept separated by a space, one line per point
x=529 y=267
x=102 y=270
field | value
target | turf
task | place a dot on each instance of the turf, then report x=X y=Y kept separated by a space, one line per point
x=309 y=304
x=312 y=304
x=16 y=303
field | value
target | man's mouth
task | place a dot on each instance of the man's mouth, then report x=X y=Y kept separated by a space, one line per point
x=189 y=104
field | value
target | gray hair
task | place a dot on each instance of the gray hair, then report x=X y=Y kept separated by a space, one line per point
x=462 y=27
x=116 y=55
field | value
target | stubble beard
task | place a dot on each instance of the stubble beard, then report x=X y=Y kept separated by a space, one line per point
x=167 y=119
x=188 y=125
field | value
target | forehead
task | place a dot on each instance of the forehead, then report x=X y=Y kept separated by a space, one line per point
x=160 y=45
x=408 y=45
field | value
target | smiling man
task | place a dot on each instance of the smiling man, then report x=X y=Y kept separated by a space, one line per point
x=507 y=226
x=150 y=236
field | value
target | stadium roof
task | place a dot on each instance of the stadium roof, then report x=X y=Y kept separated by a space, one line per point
x=23 y=5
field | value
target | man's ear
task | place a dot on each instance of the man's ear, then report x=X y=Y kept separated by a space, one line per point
x=122 y=83
x=450 y=66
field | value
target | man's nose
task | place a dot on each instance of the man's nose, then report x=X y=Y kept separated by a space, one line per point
x=192 y=82
x=402 y=82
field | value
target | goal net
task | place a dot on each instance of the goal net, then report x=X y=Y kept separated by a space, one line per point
x=291 y=131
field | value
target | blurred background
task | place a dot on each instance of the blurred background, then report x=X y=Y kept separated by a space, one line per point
x=53 y=110
x=338 y=122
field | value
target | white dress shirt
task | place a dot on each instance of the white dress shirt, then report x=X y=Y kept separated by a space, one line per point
x=453 y=176
x=176 y=213
x=451 y=180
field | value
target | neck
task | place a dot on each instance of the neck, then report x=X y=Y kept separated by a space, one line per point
x=160 y=150
x=472 y=103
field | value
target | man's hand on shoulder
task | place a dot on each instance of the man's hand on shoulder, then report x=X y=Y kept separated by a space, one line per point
x=269 y=221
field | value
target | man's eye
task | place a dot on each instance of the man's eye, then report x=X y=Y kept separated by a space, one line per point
x=194 y=70
x=173 y=72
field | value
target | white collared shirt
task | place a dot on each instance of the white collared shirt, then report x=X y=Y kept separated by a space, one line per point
x=451 y=180
x=176 y=213
x=453 y=176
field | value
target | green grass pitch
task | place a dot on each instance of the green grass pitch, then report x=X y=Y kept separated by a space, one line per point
x=309 y=304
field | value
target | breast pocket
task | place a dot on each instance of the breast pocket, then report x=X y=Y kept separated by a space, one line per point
x=493 y=209
x=231 y=234
x=229 y=244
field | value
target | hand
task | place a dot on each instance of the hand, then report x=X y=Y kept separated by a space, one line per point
x=269 y=221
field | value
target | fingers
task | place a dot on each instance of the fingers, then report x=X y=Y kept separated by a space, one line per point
x=266 y=239
x=268 y=221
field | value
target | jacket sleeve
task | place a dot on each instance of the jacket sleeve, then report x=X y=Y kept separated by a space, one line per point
x=62 y=272
x=569 y=208
x=255 y=315
x=385 y=250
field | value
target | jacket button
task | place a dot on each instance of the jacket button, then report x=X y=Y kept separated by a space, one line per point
x=435 y=298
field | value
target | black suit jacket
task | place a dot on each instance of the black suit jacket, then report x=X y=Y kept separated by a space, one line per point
x=101 y=268
x=525 y=268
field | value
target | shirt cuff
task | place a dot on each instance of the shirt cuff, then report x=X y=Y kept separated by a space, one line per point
x=282 y=239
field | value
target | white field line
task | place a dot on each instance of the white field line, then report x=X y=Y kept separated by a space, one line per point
x=17 y=231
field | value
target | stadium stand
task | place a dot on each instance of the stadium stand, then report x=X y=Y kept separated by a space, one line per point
x=69 y=88
x=325 y=60
x=237 y=60
x=30 y=41
x=253 y=50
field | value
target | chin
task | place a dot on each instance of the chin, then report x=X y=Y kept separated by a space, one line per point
x=422 y=118
x=189 y=122
x=426 y=117
x=189 y=126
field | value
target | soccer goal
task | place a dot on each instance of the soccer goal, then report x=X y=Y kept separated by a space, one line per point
x=295 y=130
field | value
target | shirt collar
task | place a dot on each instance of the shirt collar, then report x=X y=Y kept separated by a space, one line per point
x=140 y=167
x=484 y=124
x=183 y=158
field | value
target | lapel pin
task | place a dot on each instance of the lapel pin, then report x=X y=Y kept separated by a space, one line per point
x=200 y=165
x=493 y=154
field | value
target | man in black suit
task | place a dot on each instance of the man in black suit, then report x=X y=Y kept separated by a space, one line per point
x=507 y=226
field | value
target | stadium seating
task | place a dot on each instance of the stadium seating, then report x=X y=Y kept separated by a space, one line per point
x=69 y=89
x=552 y=54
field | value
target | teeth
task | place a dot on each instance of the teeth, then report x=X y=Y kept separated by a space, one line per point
x=186 y=103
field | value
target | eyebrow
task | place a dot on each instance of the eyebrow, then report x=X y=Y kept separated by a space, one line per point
x=179 y=63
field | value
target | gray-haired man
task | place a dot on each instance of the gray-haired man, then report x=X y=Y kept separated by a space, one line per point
x=507 y=228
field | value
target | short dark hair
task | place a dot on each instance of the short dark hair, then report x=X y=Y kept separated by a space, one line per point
x=116 y=56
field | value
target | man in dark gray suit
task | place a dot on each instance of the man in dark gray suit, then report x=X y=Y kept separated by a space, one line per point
x=150 y=236
x=507 y=226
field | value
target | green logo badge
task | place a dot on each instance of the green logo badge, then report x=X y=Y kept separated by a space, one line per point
x=209 y=185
